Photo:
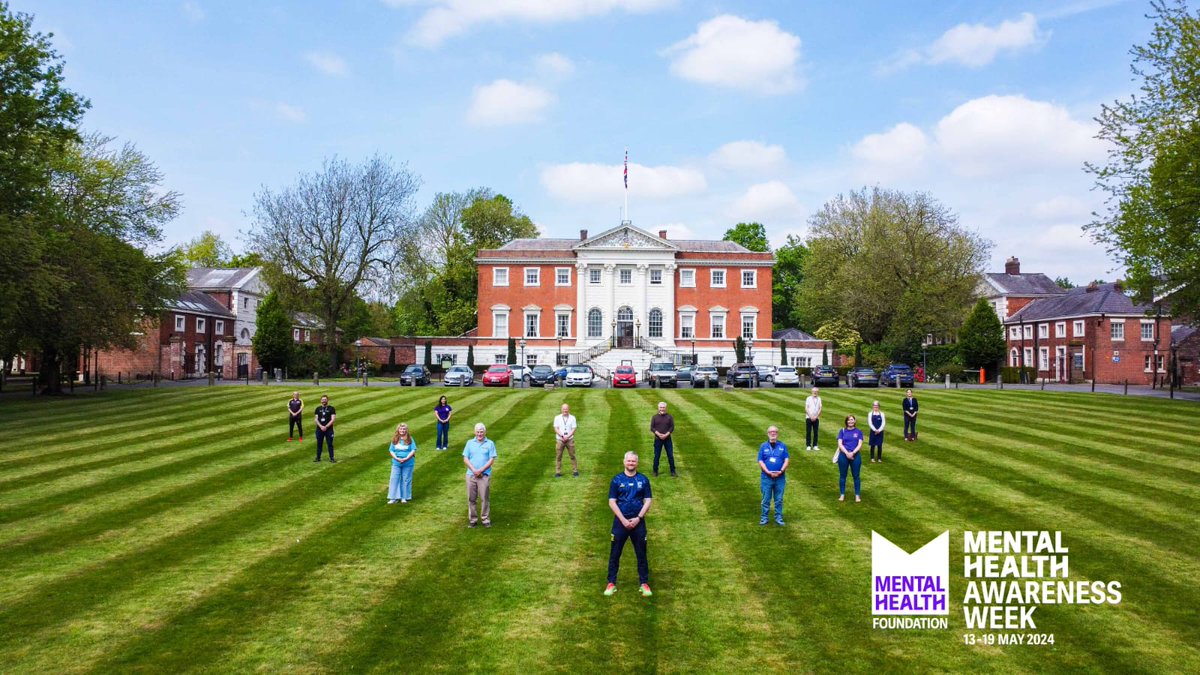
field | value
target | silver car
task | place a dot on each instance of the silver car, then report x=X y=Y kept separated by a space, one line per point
x=786 y=376
x=705 y=376
x=579 y=376
x=459 y=376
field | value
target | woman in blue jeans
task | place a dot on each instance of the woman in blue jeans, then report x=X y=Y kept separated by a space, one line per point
x=442 y=412
x=850 y=440
x=403 y=450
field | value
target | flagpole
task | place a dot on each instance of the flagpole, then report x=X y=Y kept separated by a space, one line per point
x=626 y=218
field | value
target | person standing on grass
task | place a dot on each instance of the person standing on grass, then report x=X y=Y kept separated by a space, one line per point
x=662 y=426
x=910 y=416
x=876 y=422
x=564 y=437
x=442 y=412
x=850 y=439
x=325 y=416
x=295 y=408
x=812 y=420
x=479 y=454
x=629 y=498
x=403 y=450
x=773 y=460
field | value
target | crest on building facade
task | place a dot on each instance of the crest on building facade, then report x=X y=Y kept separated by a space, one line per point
x=625 y=238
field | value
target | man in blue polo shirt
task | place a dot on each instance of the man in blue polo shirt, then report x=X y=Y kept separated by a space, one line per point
x=629 y=498
x=773 y=460
x=479 y=454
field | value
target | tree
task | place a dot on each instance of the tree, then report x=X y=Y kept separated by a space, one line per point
x=428 y=353
x=492 y=223
x=207 y=250
x=272 y=340
x=512 y=350
x=981 y=339
x=1151 y=220
x=893 y=265
x=824 y=355
x=335 y=229
x=1063 y=282
x=471 y=356
x=785 y=282
x=751 y=235
x=783 y=353
x=739 y=349
x=839 y=332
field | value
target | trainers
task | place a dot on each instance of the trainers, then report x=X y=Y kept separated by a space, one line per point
x=808 y=448
x=816 y=449
x=763 y=521
x=575 y=474
x=610 y=589
x=674 y=475
x=558 y=475
x=645 y=589
x=301 y=439
x=289 y=440
x=403 y=501
x=333 y=461
x=317 y=459
x=656 y=474
x=780 y=523
x=487 y=524
x=471 y=525
x=391 y=501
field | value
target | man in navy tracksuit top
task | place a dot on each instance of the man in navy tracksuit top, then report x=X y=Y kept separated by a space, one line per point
x=629 y=498
x=910 y=416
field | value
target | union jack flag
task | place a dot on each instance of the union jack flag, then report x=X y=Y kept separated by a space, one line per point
x=626 y=169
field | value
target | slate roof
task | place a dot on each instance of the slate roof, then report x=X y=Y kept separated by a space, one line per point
x=1106 y=299
x=219 y=279
x=1033 y=283
x=306 y=320
x=198 y=302
x=564 y=245
x=1182 y=332
x=794 y=334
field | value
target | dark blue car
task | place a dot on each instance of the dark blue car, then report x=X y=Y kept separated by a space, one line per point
x=888 y=377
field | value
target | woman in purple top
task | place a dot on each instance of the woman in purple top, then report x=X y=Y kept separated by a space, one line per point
x=443 y=412
x=849 y=440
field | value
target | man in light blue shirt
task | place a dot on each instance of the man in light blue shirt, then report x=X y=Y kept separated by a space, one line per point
x=479 y=454
x=773 y=460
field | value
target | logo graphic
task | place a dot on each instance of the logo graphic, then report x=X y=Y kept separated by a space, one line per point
x=904 y=584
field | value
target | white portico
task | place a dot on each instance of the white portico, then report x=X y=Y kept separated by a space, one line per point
x=626 y=288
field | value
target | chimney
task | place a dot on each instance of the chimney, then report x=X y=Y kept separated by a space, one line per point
x=1012 y=266
x=582 y=235
x=1119 y=286
x=662 y=234
x=1091 y=288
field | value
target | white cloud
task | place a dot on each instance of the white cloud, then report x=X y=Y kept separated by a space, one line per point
x=730 y=51
x=327 y=62
x=1001 y=134
x=770 y=201
x=580 y=182
x=675 y=230
x=192 y=10
x=974 y=45
x=1061 y=208
x=505 y=102
x=290 y=113
x=446 y=18
x=1065 y=238
x=748 y=156
x=900 y=150
x=554 y=65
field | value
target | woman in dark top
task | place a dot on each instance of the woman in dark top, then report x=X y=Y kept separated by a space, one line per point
x=442 y=412
x=850 y=440
x=295 y=407
x=876 y=422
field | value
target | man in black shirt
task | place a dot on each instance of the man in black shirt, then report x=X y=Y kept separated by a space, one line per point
x=295 y=408
x=325 y=416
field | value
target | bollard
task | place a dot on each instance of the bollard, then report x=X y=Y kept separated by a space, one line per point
x=266 y=377
x=1126 y=392
x=948 y=381
x=212 y=378
x=316 y=379
x=1043 y=384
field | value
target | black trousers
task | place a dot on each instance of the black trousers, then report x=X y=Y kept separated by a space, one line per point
x=910 y=427
x=324 y=437
x=638 y=536
x=659 y=444
x=294 y=422
x=810 y=430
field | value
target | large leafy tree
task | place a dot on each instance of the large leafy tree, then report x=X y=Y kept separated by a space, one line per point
x=751 y=235
x=785 y=282
x=335 y=230
x=273 y=343
x=893 y=265
x=1151 y=222
x=981 y=338
x=207 y=250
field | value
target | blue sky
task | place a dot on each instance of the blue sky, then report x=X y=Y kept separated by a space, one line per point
x=731 y=111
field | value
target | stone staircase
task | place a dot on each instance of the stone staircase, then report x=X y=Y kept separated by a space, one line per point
x=605 y=363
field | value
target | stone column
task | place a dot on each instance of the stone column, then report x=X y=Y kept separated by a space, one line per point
x=610 y=273
x=670 y=330
x=581 y=306
x=643 y=312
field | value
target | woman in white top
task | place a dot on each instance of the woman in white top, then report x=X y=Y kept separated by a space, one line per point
x=876 y=422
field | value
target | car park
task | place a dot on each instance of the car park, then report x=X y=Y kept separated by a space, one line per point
x=661 y=374
x=579 y=376
x=896 y=370
x=742 y=375
x=862 y=377
x=766 y=373
x=624 y=376
x=825 y=376
x=459 y=376
x=705 y=376
x=541 y=374
x=414 y=373
x=498 y=375
x=786 y=376
x=521 y=372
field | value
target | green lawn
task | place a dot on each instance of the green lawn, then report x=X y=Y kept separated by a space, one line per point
x=174 y=529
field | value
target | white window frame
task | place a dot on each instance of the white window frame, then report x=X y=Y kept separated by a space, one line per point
x=180 y=323
x=650 y=323
x=562 y=324
x=1043 y=331
x=595 y=277
x=1014 y=332
x=687 y=278
x=715 y=320
x=1148 y=359
x=1077 y=329
x=497 y=319
x=499 y=276
x=1028 y=332
x=1027 y=355
x=218 y=355
x=712 y=278
x=1145 y=325
x=1014 y=358
x=687 y=326
x=1113 y=325
x=753 y=278
x=537 y=325
x=558 y=279
x=307 y=335
x=219 y=327
x=500 y=360
x=534 y=273
x=656 y=277
x=531 y=360
x=1043 y=358
x=718 y=361
x=753 y=318
x=1060 y=329
x=599 y=332
x=621 y=273
x=201 y=324
x=295 y=335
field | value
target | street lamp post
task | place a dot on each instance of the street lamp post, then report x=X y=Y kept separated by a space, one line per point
x=614 y=334
x=693 y=350
x=637 y=342
x=750 y=359
x=558 y=354
x=523 y=381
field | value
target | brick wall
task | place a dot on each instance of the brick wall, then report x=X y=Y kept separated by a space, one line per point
x=1098 y=348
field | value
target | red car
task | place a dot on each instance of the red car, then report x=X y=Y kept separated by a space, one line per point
x=498 y=375
x=624 y=376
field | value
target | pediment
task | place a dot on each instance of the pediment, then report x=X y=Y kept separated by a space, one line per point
x=625 y=238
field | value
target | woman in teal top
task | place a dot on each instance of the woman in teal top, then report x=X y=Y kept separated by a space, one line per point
x=850 y=440
x=403 y=450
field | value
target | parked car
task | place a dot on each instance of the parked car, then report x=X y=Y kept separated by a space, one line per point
x=498 y=375
x=459 y=376
x=662 y=374
x=742 y=375
x=862 y=377
x=561 y=373
x=418 y=373
x=579 y=376
x=541 y=374
x=894 y=370
x=624 y=376
x=825 y=376
x=706 y=376
x=521 y=372
x=684 y=373
x=766 y=373
x=786 y=376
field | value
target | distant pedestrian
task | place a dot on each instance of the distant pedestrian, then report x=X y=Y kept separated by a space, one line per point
x=773 y=460
x=403 y=450
x=564 y=437
x=295 y=421
x=325 y=416
x=910 y=416
x=662 y=426
x=812 y=420
x=629 y=497
x=876 y=422
x=479 y=454
x=442 y=412
x=850 y=440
